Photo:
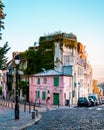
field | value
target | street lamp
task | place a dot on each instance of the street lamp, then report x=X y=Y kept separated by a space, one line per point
x=17 y=62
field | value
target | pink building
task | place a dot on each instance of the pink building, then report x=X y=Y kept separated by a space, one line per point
x=59 y=85
x=3 y=82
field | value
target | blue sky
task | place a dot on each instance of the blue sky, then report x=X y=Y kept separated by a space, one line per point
x=27 y=20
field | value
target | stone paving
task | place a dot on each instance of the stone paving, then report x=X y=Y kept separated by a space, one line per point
x=83 y=118
x=58 y=118
x=8 y=122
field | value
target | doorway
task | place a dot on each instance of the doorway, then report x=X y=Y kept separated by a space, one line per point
x=56 y=99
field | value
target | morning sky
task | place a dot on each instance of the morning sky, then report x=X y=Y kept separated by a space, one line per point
x=27 y=20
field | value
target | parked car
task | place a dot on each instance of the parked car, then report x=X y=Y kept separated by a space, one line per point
x=95 y=98
x=102 y=101
x=83 y=101
x=92 y=103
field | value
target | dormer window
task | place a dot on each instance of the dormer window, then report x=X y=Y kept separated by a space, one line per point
x=45 y=80
x=38 y=80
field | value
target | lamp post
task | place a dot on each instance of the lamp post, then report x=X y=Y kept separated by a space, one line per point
x=17 y=62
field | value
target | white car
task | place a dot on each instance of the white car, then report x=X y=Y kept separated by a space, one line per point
x=95 y=98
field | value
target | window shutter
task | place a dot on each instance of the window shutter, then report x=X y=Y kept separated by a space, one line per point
x=38 y=82
x=38 y=94
x=43 y=95
x=56 y=81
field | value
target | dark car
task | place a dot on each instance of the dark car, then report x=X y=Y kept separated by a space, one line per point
x=83 y=101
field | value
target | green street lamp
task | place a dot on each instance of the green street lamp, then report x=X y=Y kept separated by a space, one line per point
x=17 y=62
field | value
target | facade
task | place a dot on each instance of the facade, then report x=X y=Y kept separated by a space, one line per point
x=72 y=70
x=70 y=58
x=58 y=84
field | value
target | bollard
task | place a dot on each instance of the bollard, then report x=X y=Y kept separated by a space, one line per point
x=29 y=107
x=33 y=114
x=12 y=105
x=25 y=107
x=8 y=104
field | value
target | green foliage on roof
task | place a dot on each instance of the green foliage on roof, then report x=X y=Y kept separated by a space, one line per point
x=43 y=57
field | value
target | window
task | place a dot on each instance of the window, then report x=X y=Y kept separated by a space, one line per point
x=75 y=80
x=66 y=59
x=43 y=95
x=38 y=82
x=38 y=94
x=56 y=81
x=80 y=71
x=73 y=93
x=45 y=80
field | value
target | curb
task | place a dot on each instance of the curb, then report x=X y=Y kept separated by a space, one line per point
x=31 y=123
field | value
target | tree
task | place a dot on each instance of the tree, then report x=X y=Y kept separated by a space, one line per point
x=3 y=58
x=95 y=88
x=31 y=57
x=24 y=86
x=5 y=48
x=2 y=16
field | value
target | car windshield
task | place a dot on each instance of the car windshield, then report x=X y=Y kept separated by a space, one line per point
x=93 y=97
x=82 y=99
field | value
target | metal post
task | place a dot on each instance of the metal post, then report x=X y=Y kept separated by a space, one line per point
x=16 y=105
x=25 y=107
x=29 y=107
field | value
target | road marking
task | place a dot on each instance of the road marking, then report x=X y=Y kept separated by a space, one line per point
x=99 y=109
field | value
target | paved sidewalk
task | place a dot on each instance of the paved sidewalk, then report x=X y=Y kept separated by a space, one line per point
x=8 y=122
x=7 y=116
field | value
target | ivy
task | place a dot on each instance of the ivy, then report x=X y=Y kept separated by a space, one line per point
x=43 y=57
x=46 y=50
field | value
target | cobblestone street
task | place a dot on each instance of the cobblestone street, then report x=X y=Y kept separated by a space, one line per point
x=8 y=122
x=84 y=118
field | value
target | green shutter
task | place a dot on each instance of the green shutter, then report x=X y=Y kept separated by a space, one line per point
x=43 y=95
x=38 y=82
x=56 y=81
x=38 y=94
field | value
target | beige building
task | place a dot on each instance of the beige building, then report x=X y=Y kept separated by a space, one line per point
x=70 y=57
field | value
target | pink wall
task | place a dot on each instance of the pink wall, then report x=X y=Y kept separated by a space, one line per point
x=44 y=87
x=4 y=80
x=31 y=89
